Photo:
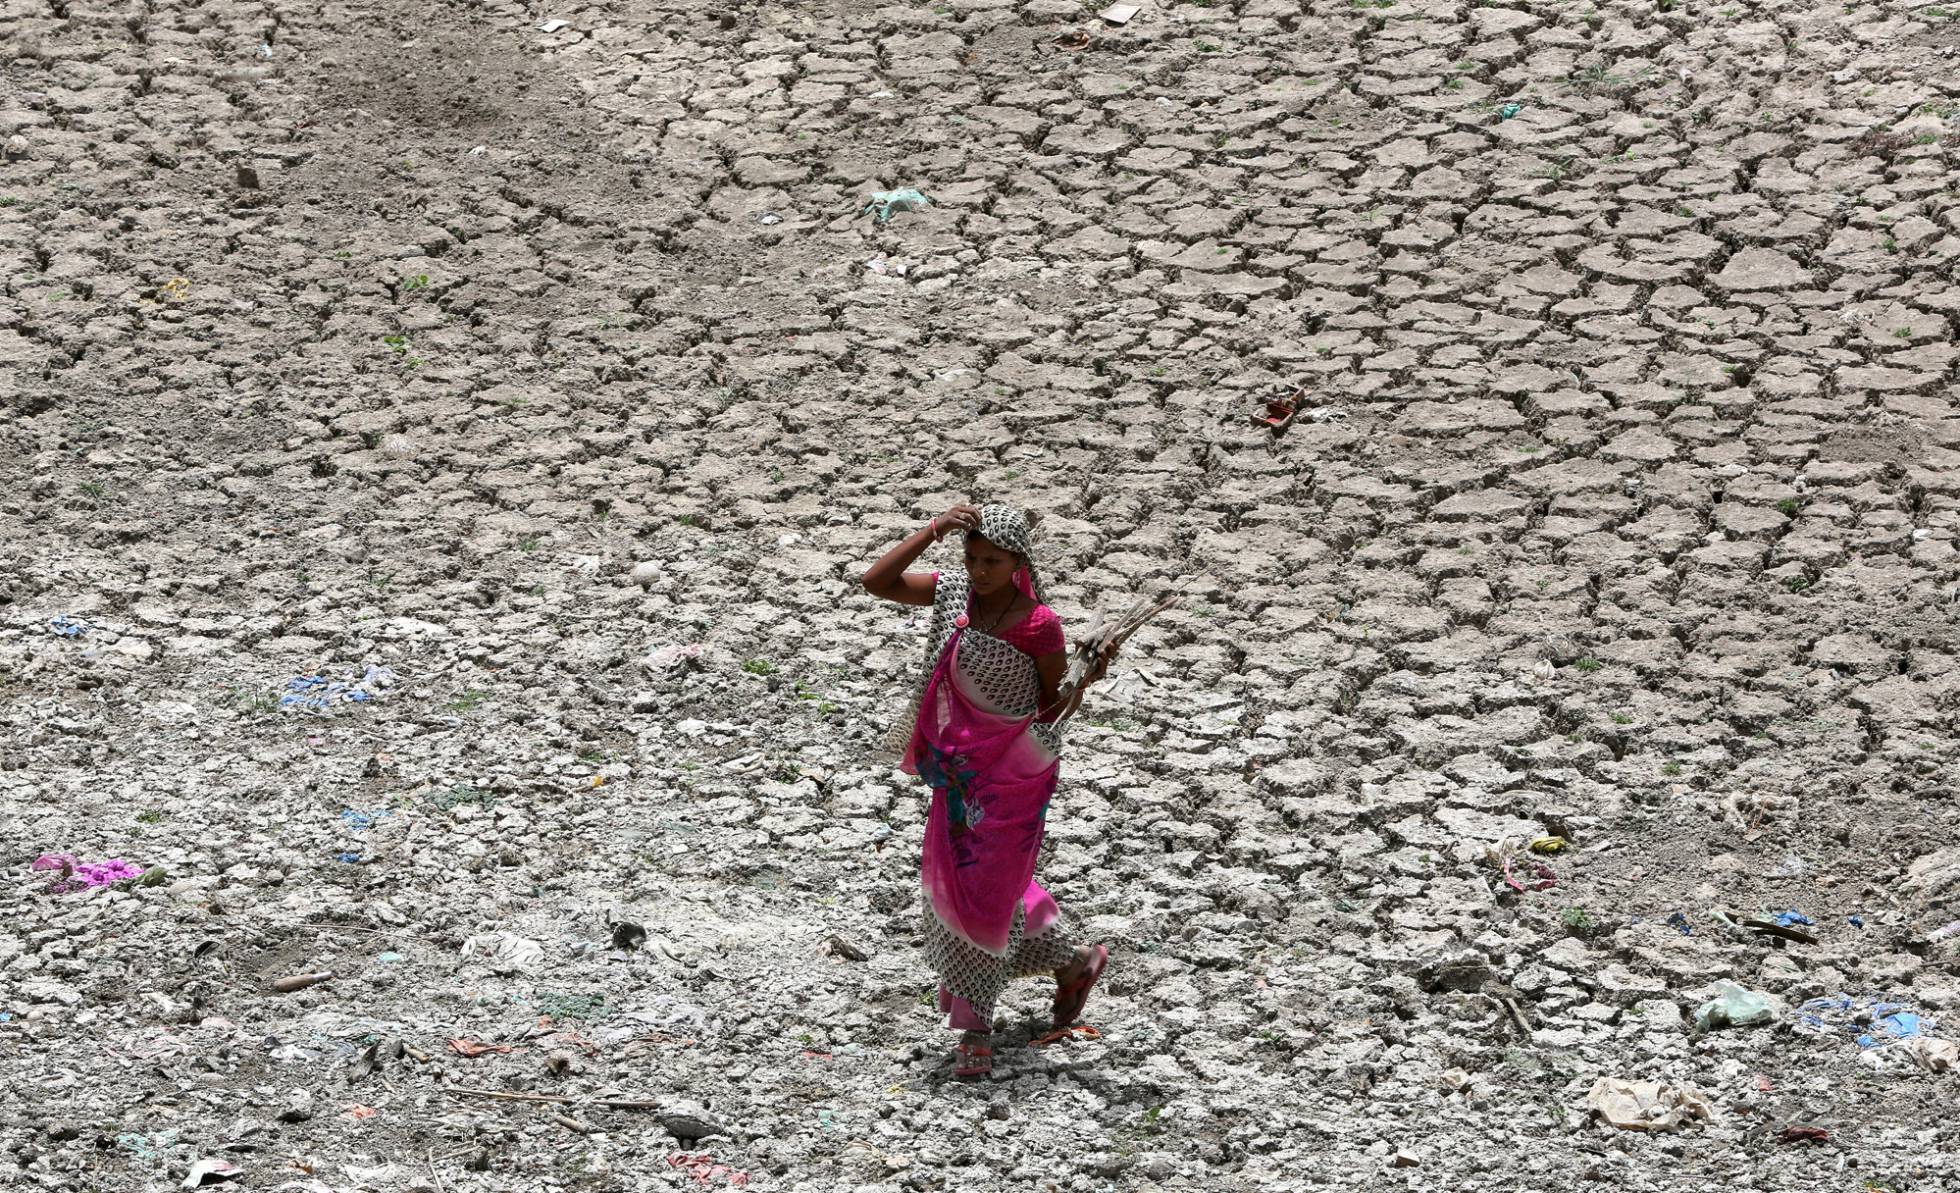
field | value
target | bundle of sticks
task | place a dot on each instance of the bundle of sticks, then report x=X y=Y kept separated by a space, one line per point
x=1102 y=635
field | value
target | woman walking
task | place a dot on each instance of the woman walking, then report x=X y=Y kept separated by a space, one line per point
x=982 y=734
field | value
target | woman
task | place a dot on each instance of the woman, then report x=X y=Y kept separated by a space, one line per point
x=982 y=734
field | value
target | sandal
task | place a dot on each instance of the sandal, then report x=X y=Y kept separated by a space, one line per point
x=1070 y=996
x=979 y=1061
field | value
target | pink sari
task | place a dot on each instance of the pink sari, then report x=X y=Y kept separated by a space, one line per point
x=991 y=780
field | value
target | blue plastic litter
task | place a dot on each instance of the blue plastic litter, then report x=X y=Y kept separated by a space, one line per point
x=350 y=857
x=1857 y=921
x=1872 y=1022
x=884 y=204
x=1509 y=110
x=1679 y=922
x=319 y=694
x=1790 y=919
x=68 y=627
x=359 y=821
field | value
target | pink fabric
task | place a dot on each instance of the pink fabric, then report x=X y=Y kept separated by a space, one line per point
x=1039 y=633
x=960 y=1015
x=991 y=782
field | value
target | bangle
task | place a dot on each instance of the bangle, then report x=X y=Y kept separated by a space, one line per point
x=935 y=530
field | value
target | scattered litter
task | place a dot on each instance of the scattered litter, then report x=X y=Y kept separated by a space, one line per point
x=1938 y=1056
x=1549 y=845
x=1546 y=880
x=211 y=1172
x=318 y=694
x=83 y=876
x=1885 y=1030
x=466 y=1047
x=1119 y=14
x=68 y=627
x=558 y=1006
x=1679 y=922
x=1071 y=1032
x=350 y=856
x=359 y=1113
x=1945 y=932
x=359 y=821
x=1075 y=39
x=769 y=219
x=1857 y=921
x=300 y=981
x=627 y=935
x=551 y=26
x=1733 y=1006
x=1804 y=1135
x=705 y=1170
x=890 y=267
x=1790 y=919
x=885 y=204
x=265 y=51
x=506 y=952
x=1646 y=1105
x=1509 y=110
x=673 y=658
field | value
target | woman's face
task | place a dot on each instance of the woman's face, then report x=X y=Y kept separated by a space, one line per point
x=989 y=568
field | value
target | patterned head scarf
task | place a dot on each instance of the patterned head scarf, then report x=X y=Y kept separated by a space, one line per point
x=1011 y=530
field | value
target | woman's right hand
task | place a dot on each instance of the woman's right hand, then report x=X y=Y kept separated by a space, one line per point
x=960 y=517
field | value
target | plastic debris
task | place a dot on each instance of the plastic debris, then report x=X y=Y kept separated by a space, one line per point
x=1734 y=1006
x=506 y=952
x=1857 y=921
x=211 y=1172
x=464 y=1047
x=1509 y=110
x=1679 y=922
x=349 y=856
x=705 y=1171
x=75 y=875
x=1646 y=1105
x=1120 y=14
x=1790 y=919
x=1549 y=844
x=1804 y=1135
x=551 y=26
x=68 y=627
x=318 y=694
x=885 y=204
x=1886 y=1031
x=359 y=821
x=1546 y=880
x=1945 y=932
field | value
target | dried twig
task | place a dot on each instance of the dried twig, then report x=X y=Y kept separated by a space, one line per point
x=1100 y=637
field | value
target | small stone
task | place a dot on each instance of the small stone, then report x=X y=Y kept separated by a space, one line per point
x=246 y=176
x=16 y=147
x=299 y=1107
x=645 y=574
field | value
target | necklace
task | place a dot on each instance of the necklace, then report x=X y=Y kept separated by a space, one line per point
x=1002 y=615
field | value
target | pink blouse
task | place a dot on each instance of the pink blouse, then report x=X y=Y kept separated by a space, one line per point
x=1040 y=633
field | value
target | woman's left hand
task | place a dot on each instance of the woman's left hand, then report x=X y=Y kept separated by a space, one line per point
x=1101 y=668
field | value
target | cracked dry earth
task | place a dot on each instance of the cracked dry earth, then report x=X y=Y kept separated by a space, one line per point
x=559 y=374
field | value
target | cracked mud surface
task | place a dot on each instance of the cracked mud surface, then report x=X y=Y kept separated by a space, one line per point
x=1623 y=509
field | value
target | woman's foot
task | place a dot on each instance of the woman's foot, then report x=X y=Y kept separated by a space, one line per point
x=973 y=1056
x=1072 y=984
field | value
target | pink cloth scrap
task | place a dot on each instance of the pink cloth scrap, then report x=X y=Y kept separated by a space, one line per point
x=84 y=876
